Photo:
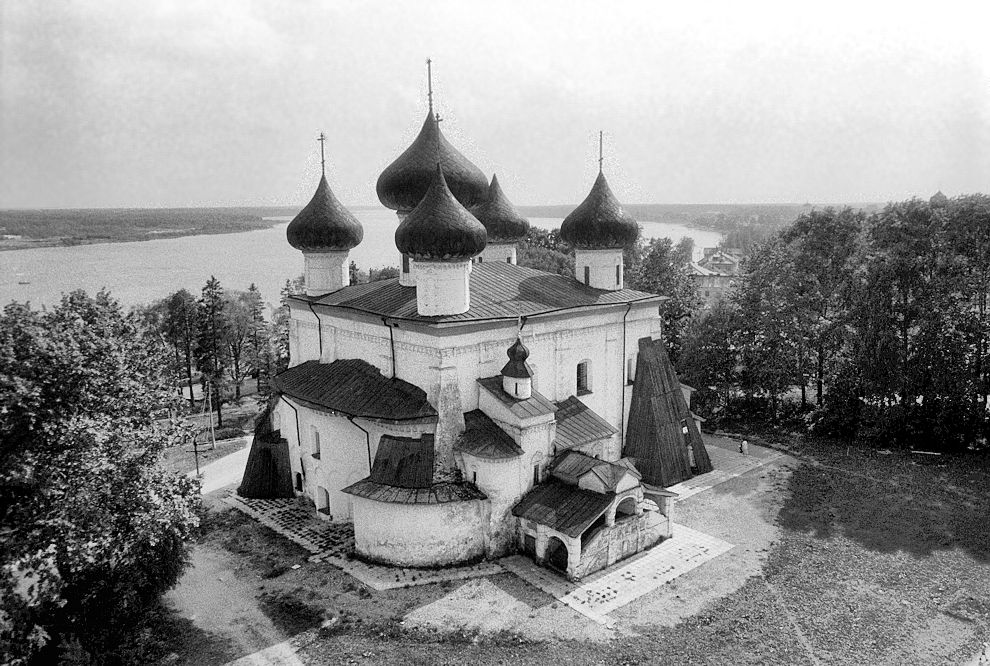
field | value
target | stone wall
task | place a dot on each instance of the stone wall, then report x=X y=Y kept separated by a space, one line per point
x=420 y=535
x=628 y=537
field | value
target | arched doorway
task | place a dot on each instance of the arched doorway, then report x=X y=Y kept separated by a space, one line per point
x=626 y=508
x=322 y=500
x=556 y=555
x=299 y=482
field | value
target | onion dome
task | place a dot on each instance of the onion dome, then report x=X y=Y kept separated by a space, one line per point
x=405 y=181
x=503 y=223
x=599 y=223
x=440 y=228
x=324 y=225
x=517 y=366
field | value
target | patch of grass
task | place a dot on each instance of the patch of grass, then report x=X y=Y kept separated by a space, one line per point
x=289 y=613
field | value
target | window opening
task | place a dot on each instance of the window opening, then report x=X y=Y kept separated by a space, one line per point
x=582 y=378
x=587 y=275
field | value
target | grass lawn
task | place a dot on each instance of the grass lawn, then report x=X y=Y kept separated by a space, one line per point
x=879 y=561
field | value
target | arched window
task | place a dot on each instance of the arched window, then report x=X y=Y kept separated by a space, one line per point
x=315 y=442
x=584 y=377
x=630 y=370
x=618 y=276
x=405 y=263
x=299 y=482
x=587 y=275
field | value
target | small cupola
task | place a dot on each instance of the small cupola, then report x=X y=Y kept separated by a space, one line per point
x=442 y=238
x=505 y=226
x=598 y=230
x=517 y=375
x=324 y=231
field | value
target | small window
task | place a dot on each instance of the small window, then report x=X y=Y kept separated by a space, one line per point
x=405 y=263
x=630 y=370
x=515 y=387
x=536 y=474
x=474 y=478
x=480 y=259
x=316 y=443
x=618 y=276
x=587 y=275
x=583 y=386
x=508 y=260
x=299 y=486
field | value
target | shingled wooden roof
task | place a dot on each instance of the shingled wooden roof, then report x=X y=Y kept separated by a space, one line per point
x=439 y=493
x=562 y=507
x=657 y=414
x=499 y=290
x=268 y=473
x=355 y=388
x=404 y=462
x=483 y=438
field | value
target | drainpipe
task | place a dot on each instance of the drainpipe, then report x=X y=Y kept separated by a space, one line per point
x=302 y=467
x=319 y=327
x=367 y=440
x=391 y=339
x=622 y=412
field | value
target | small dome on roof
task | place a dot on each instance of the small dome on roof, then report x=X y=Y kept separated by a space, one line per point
x=599 y=222
x=503 y=223
x=405 y=181
x=517 y=366
x=440 y=228
x=324 y=225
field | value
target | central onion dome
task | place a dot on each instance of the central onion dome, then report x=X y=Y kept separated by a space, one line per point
x=503 y=223
x=440 y=228
x=599 y=223
x=324 y=225
x=405 y=181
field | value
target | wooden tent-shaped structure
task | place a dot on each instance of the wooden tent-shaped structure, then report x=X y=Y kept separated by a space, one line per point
x=268 y=473
x=662 y=437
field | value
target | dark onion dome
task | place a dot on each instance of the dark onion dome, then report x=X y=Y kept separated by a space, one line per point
x=405 y=181
x=517 y=366
x=503 y=223
x=440 y=228
x=324 y=225
x=599 y=222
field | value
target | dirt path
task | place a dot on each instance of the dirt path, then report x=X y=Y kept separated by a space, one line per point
x=222 y=602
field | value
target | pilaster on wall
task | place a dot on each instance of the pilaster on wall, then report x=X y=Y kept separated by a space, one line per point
x=445 y=396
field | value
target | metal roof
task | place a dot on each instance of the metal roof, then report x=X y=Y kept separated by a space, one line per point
x=355 y=388
x=535 y=405
x=577 y=424
x=571 y=466
x=502 y=221
x=562 y=507
x=499 y=290
x=483 y=438
x=404 y=462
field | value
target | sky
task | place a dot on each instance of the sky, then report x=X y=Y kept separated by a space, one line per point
x=186 y=103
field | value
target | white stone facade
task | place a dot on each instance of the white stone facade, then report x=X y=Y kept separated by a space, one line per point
x=443 y=287
x=601 y=269
x=325 y=272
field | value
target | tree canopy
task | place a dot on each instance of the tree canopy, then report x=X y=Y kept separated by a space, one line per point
x=93 y=527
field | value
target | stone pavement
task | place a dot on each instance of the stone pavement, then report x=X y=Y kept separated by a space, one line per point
x=333 y=543
x=601 y=593
x=728 y=464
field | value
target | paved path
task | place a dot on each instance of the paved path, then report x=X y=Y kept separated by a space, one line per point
x=728 y=465
x=334 y=543
x=609 y=589
x=226 y=471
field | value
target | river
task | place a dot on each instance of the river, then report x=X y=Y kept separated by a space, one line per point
x=140 y=272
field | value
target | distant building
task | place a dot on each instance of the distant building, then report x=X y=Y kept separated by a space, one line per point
x=401 y=413
x=716 y=274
